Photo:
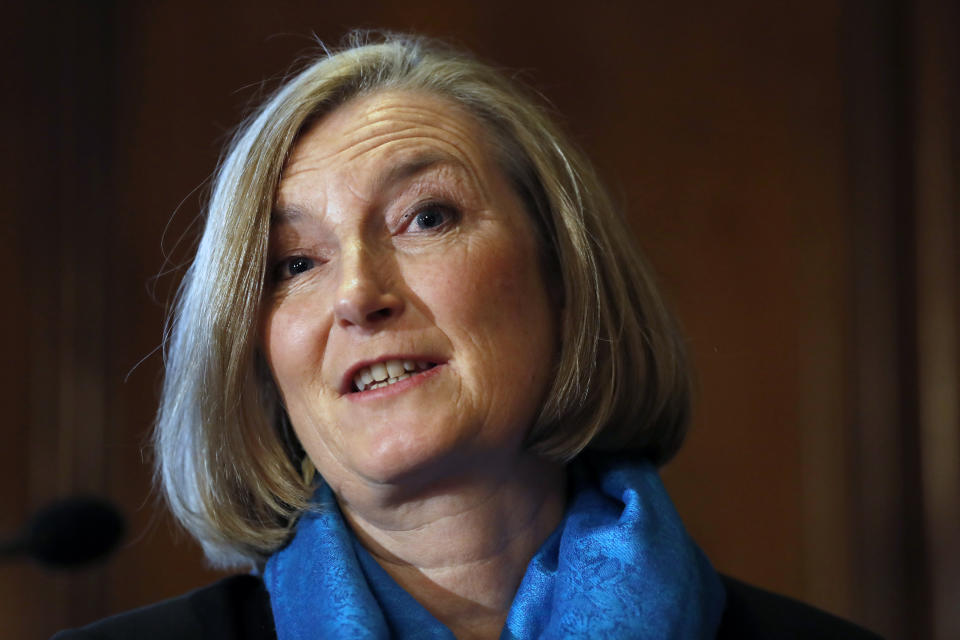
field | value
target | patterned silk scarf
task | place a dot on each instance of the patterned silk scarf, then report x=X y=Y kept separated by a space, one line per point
x=619 y=565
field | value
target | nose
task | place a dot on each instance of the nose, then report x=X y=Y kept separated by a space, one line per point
x=365 y=298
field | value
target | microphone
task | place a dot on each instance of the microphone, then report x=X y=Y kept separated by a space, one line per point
x=68 y=533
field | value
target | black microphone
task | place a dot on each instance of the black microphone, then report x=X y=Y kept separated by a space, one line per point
x=68 y=533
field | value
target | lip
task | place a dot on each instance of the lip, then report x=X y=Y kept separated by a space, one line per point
x=396 y=387
x=346 y=384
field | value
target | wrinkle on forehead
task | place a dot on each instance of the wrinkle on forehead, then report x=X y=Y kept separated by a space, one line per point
x=383 y=125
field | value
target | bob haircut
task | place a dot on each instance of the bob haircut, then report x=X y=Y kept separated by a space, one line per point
x=227 y=460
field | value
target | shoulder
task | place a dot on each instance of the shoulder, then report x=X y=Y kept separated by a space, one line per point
x=755 y=613
x=235 y=607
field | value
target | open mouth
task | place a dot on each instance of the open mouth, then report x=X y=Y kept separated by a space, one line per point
x=383 y=374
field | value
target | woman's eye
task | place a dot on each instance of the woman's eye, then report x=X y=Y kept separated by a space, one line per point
x=293 y=266
x=433 y=216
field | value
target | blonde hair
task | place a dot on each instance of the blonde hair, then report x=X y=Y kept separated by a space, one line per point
x=227 y=460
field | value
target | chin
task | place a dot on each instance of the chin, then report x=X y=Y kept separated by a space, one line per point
x=414 y=462
x=397 y=456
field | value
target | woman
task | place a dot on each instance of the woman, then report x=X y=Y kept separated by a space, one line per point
x=419 y=380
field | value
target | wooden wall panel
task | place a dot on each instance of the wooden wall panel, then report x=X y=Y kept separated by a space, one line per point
x=937 y=249
x=884 y=453
x=57 y=114
x=16 y=579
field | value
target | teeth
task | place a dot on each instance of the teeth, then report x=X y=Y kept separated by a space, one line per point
x=379 y=372
x=386 y=373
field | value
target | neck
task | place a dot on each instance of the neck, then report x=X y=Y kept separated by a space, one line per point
x=463 y=550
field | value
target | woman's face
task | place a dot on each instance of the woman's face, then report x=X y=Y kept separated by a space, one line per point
x=399 y=250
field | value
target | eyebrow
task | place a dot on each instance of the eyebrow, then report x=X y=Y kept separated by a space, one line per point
x=410 y=168
x=398 y=173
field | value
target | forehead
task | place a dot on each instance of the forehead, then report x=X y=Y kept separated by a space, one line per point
x=382 y=129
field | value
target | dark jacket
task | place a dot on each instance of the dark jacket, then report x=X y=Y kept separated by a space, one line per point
x=238 y=608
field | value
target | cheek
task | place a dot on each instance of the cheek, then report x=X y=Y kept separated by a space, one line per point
x=511 y=294
x=492 y=302
x=294 y=344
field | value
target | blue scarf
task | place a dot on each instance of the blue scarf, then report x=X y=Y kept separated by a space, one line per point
x=619 y=565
